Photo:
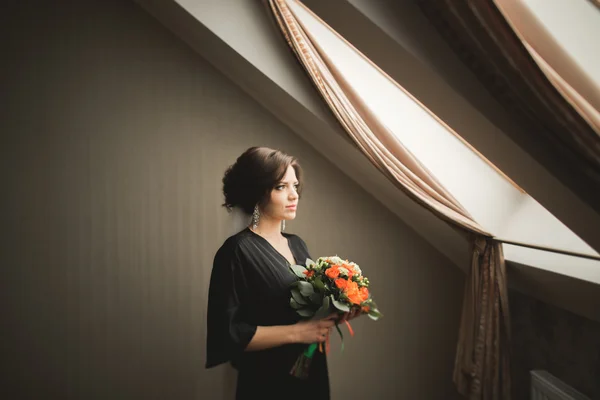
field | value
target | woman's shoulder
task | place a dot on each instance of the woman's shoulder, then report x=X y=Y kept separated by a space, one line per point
x=246 y=236
x=234 y=242
x=242 y=241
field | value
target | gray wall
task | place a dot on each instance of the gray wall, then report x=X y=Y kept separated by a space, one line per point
x=115 y=138
x=548 y=338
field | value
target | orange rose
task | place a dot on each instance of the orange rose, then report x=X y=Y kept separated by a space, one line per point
x=333 y=272
x=353 y=293
x=341 y=283
x=352 y=287
x=364 y=293
x=366 y=309
x=355 y=298
x=309 y=274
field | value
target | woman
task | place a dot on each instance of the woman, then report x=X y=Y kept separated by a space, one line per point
x=250 y=322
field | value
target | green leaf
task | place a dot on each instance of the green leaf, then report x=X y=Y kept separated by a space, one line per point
x=325 y=309
x=298 y=270
x=318 y=283
x=306 y=288
x=295 y=305
x=306 y=312
x=298 y=297
x=339 y=305
x=374 y=314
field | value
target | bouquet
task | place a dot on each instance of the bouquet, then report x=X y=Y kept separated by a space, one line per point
x=330 y=284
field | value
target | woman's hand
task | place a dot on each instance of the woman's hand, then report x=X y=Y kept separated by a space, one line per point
x=314 y=331
x=348 y=316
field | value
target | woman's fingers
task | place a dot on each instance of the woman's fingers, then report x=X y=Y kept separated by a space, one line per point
x=355 y=312
x=328 y=323
x=322 y=335
x=325 y=324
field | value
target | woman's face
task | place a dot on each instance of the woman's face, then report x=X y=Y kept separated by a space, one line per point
x=284 y=197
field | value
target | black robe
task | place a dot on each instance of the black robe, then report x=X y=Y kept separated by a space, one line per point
x=249 y=287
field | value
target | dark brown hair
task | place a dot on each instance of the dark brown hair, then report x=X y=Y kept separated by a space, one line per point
x=255 y=173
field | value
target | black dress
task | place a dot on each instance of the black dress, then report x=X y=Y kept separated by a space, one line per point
x=249 y=287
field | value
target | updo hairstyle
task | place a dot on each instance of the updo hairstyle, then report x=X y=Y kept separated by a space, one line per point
x=250 y=180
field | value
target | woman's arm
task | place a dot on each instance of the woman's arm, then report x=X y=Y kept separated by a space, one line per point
x=312 y=331
x=267 y=337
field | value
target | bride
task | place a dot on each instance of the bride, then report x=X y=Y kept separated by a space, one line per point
x=250 y=323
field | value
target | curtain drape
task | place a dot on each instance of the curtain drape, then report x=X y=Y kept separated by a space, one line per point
x=482 y=357
x=596 y=3
x=579 y=89
x=529 y=74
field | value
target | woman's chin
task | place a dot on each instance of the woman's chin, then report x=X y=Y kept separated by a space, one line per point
x=289 y=215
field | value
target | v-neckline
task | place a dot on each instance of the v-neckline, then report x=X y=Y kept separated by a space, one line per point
x=275 y=250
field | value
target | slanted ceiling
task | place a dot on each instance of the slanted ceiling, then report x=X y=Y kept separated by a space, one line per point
x=240 y=39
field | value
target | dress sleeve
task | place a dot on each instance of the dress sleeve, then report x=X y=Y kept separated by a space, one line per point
x=227 y=335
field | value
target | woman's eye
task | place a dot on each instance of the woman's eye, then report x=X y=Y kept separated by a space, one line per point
x=281 y=187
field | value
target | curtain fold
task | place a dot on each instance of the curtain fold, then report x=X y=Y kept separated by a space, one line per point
x=529 y=74
x=579 y=89
x=482 y=357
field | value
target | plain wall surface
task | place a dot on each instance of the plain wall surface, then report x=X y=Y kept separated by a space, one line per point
x=548 y=338
x=115 y=139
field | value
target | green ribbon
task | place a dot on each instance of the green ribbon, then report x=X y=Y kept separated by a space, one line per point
x=310 y=350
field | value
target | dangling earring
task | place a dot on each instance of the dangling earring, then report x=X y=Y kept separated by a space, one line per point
x=255 y=217
x=282 y=225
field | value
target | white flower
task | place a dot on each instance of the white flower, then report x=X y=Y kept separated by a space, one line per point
x=335 y=260
x=343 y=271
x=356 y=268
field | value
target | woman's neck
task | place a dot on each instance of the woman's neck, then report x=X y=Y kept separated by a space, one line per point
x=268 y=228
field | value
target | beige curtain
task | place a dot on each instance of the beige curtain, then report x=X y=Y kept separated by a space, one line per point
x=481 y=367
x=556 y=132
x=579 y=89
